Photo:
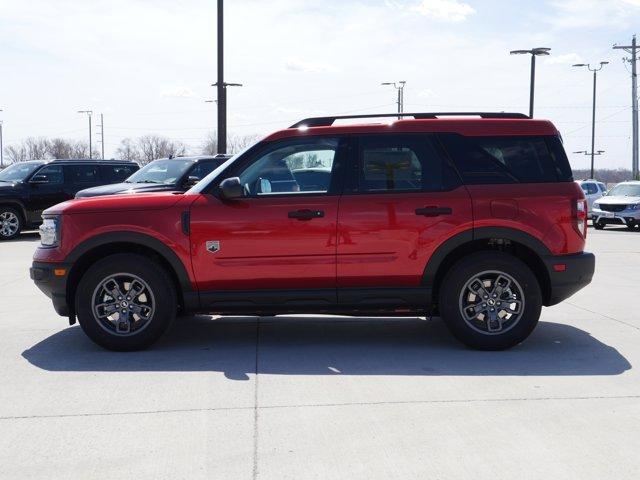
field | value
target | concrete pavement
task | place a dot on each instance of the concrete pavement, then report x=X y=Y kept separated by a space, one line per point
x=332 y=397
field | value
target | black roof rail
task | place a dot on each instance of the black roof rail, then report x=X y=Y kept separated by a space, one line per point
x=328 y=121
x=89 y=160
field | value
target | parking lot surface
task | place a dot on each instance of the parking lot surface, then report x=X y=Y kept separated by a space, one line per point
x=319 y=398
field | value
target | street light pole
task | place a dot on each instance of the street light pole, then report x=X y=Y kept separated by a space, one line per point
x=534 y=52
x=400 y=87
x=593 y=110
x=633 y=50
x=89 y=113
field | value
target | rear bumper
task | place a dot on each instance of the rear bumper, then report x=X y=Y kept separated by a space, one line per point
x=54 y=286
x=568 y=274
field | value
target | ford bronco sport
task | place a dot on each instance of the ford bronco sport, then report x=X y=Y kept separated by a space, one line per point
x=473 y=217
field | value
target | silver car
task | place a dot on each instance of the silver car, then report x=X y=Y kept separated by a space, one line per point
x=621 y=206
x=593 y=190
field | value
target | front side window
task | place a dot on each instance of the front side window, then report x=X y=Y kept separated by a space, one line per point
x=202 y=169
x=402 y=163
x=298 y=166
x=51 y=174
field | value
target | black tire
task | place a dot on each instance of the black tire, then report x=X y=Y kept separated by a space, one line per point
x=13 y=215
x=162 y=291
x=451 y=297
x=598 y=225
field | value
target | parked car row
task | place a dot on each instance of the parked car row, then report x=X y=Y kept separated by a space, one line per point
x=28 y=188
x=476 y=219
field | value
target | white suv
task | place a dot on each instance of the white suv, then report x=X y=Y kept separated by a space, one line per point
x=593 y=190
x=621 y=206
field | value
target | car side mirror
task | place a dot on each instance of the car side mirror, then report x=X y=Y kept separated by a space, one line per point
x=191 y=181
x=39 y=179
x=231 y=188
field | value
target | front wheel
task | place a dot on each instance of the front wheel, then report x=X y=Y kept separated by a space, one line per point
x=490 y=300
x=10 y=223
x=125 y=302
x=598 y=225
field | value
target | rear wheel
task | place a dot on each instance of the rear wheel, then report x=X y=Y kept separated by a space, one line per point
x=490 y=300
x=10 y=223
x=125 y=302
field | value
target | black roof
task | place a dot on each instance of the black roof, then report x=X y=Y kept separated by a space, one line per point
x=88 y=160
x=197 y=158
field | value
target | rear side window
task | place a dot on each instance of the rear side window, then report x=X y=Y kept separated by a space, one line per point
x=116 y=173
x=589 y=188
x=494 y=160
x=75 y=174
x=391 y=163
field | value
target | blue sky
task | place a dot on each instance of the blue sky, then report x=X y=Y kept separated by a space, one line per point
x=147 y=65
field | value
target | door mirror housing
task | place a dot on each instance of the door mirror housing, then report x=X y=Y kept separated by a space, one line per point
x=191 y=181
x=232 y=188
x=39 y=179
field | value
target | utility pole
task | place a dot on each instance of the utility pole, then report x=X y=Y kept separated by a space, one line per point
x=222 y=85
x=633 y=50
x=534 y=52
x=89 y=113
x=400 y=87
x=102 y=134
x=593 y=111
x=1 y=147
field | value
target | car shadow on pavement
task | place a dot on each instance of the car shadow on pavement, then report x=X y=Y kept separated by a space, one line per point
x=332 y=346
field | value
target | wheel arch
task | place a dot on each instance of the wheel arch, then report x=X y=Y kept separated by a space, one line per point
x=95 y=248
x=516 y=242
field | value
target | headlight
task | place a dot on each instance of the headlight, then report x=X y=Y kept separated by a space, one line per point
x=50 y=232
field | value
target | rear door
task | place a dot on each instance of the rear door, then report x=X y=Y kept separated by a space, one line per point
x=78 y=177
x=402 y=201
x=278 y=237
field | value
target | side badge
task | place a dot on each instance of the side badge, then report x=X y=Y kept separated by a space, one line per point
x=213 y=246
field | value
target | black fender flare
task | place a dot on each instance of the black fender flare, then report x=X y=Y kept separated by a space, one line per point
x=139 y=239
x=483 y=233
x=19 y=204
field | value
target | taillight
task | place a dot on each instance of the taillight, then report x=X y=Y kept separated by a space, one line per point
x=580 y=217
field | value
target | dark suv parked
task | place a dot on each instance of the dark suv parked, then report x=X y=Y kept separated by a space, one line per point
x=162 y=175
x=477 y=220
x=28 y=188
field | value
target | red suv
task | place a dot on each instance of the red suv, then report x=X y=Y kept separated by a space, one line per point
x=473 y=217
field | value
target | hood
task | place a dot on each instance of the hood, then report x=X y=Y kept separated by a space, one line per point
x=125 y=188
x=119 y=203
x=616 y=200
x=8 y=187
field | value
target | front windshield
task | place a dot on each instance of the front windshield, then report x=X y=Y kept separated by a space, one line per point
x=161 y=171
x=18 y=172
x=625 y=190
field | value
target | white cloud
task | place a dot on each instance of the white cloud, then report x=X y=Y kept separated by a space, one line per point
x=178 y=92
x=297 y=65
x=444 y=10
x=566 y=59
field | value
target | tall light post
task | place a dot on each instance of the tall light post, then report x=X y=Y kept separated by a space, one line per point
x=89 y=113
x=593 y=110
x=633 y=60
x=534 y=52
x=400 y=87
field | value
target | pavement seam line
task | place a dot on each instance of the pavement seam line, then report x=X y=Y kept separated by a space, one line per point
x=318 y=405
x=603 y=315
x=255 y=404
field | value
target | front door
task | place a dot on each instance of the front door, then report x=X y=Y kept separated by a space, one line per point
x=46 y=188
x=403 y=199
x=281 y=236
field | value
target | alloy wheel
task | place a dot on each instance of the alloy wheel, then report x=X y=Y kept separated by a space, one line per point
x=9 y=224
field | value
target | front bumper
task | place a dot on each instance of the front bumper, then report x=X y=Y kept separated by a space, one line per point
x=567 y=275
x=627 y=217
x=47 y=278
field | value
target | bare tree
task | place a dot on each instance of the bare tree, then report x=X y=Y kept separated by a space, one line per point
x=127 y=150
x=15 y=153
x=60 y=148
x=210 y=145
x=237 y=143
x=36 y=148
x=154 y=146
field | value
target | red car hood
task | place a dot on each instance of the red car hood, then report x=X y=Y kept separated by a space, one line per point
x=120 y=203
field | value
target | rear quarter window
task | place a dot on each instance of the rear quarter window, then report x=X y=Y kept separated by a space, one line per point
x=508 y=159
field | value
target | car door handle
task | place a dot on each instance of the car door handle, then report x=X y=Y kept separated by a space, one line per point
x=433 y=211
x=306 y=214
